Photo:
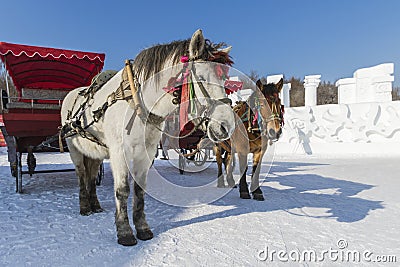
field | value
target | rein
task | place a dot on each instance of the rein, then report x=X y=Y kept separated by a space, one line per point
x=129 y=93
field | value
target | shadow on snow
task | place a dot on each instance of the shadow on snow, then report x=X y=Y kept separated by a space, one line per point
x=294 y=192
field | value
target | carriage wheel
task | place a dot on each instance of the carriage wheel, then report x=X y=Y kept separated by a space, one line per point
x=182 y=161
x=18 y=178
x=200 y=157
x=100 y=174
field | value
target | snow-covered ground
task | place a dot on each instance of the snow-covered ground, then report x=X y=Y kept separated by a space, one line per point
x=331 y=206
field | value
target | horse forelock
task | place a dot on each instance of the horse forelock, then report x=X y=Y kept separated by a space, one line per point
x=153 y=60
x=270 y=89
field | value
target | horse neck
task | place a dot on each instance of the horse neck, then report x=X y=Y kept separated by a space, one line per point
x=245 y=140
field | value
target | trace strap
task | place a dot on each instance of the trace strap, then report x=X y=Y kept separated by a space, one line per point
x=129 y=90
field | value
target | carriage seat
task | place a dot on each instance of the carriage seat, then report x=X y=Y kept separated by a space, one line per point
x=39 y=99
x=24 y=105
x=43 y=94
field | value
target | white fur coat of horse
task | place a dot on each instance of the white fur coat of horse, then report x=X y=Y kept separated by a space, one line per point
x=139 y=147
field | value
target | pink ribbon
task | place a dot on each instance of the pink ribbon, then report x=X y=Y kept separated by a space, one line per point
x=184 y=59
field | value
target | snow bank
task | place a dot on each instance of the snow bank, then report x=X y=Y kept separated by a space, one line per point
x=363 y=128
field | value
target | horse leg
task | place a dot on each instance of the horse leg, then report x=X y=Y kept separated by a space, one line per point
x=141 y=169
x=143 y=231
x=218 y=155
x=243 y=189
x=78 y=160
x=92 y=168
x=121 y=188
x=255 y=176
x=229 y=170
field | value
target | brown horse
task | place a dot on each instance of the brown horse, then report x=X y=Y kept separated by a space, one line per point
x=252 y=137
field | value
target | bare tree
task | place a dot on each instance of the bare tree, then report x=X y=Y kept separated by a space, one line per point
x=327 y=93
x=296 y=92
x=253 y=75
x=249 y=79
x=396 y=93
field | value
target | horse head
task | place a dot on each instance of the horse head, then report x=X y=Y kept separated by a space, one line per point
x=271 y=109
x=209 y=64
x=192 y=74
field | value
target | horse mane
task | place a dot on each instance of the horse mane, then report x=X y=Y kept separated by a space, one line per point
x=241 y=107
x=152 y=60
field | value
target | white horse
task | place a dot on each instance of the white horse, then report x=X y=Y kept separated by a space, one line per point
x=105 y=138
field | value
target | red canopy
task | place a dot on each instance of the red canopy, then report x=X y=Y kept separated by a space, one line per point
x=49 y=68
x=232 y=86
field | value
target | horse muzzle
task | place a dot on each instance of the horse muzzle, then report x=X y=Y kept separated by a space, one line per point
x=274 y=135
x=217 y=132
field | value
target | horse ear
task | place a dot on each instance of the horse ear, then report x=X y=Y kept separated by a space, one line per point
x=197 y=44
x=259 y=84
x=279 y=85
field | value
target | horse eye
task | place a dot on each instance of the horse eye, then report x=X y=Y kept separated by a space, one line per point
x=201 y=78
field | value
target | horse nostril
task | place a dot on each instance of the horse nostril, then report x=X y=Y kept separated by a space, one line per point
x=224 y=129
x=271 y=132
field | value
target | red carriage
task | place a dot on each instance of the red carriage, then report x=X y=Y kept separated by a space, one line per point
x=42 y=77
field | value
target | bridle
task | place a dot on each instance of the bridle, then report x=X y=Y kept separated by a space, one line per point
x=189 y=74
x=211 y=103
x=276 y=113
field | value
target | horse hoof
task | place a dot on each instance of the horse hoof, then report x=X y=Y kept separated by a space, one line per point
x=220 y=185
x=86 y=212
x=232 y=185
x=127 y=240
x=98 y=210
x=259 y=197
x=245 y=195
x=144 y=234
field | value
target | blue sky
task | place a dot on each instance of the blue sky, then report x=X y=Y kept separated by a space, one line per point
x=293 y=37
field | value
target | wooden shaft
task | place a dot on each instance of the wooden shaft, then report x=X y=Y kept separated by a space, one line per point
x=131 y=80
